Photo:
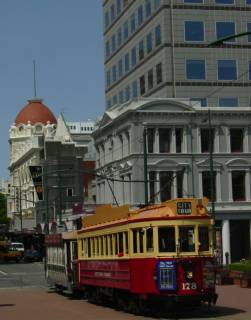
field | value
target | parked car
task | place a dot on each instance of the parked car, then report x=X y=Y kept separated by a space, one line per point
x=32 y=255
x=9 y=253
x=18 y=246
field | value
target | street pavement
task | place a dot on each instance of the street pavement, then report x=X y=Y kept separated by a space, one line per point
x=25 y=295
x=22 y=275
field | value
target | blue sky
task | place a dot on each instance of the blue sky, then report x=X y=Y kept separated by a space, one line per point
x=64 y=37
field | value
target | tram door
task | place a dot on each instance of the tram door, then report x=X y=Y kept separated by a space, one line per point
x=71 y=261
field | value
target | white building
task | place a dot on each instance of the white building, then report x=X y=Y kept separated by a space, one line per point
x=178 y=160
x=40 y=142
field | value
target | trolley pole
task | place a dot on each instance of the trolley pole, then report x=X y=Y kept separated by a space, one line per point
x=145 y=164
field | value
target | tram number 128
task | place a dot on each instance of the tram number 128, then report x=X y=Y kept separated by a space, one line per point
x=189 y=286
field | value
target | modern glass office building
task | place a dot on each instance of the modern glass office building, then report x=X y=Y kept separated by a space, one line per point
x=159 y=48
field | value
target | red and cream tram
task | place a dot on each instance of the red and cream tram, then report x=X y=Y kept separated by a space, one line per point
x=162 y=253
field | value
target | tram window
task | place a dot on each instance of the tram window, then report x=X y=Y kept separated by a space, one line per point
x=100 y=246
x=203 y=239
x=92 y=247
x=106 y=245
x=141 y=239
x=96 y=246
x=187 y=239
x=138 y=237
x=126 y=242
x=135 y=241
x=116 y=243
x=111 y=244
x=120 y=236
x=82 y=247
x=74 y=250
x=166 y=239
x=89 y=247
x=149 y=240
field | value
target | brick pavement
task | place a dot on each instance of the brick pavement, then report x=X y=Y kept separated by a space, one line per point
x=234 y=304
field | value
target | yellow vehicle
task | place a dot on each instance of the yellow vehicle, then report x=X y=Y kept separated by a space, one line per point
x=9 y=253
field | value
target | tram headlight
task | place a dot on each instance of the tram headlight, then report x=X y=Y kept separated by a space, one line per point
x=189 y=274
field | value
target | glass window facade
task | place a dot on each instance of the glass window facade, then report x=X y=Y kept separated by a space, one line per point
x=127 y=63
x=127 y=93
x=228 y=102
x=134 y=89
x=159 y=78
x=133 y=23
x=140 y=15
x=149 y=42
x=118 y=6
x=224 y=29
x=249 y=29
x=125 y=30
x=120 y=68
x=148 y=8
x=112 y=11
x=227 y=70
x=202 y=101
x=113 y=43
x=194 y=31
x=193 y=1
x=195 y=69
x=157 y=35
x=121 y=96
x=141 y=50
x=156 y=4
x=224 y=1
x=119 y=37
x=114 y=73
x=133 y=56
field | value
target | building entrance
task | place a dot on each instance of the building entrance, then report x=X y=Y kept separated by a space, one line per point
x=240 y=239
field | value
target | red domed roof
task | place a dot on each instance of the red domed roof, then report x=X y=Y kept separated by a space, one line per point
x=35 y=111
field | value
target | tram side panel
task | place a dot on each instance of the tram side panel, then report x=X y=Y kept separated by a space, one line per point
x=106 y=273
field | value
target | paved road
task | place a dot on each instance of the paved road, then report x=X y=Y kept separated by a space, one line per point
x=24 y=293
x=22 y=275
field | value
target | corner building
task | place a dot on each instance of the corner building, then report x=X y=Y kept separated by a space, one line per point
x=159 y=48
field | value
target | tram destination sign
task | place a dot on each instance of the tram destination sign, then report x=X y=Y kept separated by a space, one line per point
x=184 y=208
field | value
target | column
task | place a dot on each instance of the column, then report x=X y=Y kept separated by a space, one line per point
x=173 y=141
x=200 y=191
x=218 y=187
x=228 y=141
x=157 y=187
x=245 y=140
x=217 y=140
x=156 y=140
x=185 y=140
x=226 y=241
x=174 y=185
x=230 y=190
x=185 y=184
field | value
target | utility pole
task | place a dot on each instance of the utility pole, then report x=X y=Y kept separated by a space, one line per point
x=145 y=164
x=211 y=168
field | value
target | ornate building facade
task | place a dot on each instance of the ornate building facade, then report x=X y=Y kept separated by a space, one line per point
x=178 y=161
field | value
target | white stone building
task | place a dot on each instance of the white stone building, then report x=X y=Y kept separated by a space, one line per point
x=178 y=160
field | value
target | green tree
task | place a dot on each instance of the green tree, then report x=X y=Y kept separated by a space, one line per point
x=3 y=210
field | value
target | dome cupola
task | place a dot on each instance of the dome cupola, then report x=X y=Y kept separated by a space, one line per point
x=35 y=112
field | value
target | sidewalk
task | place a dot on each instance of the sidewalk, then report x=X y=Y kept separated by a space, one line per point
x=234 y=297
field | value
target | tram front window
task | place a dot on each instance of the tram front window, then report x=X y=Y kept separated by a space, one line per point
x=203 y=239
x=166 y=239
x=187 y=243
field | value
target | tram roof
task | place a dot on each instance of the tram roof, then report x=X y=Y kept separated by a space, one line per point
x=174 y=209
